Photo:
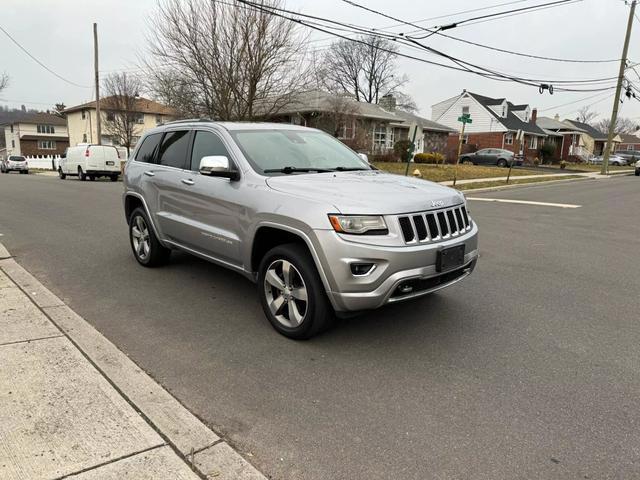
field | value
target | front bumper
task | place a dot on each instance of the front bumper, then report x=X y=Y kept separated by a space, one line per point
x=410 y=265
x=17 y=168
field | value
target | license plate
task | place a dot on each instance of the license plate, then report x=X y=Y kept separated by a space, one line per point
x=110 y=164
x=450 y=258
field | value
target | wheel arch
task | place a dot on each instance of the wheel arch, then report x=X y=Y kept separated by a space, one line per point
x=133 y=201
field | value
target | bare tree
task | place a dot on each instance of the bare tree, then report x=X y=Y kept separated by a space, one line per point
x=121 y=116
x=365 y=68
x=586 y=115
x=4 y=81
x=341 y=114
x=59 y=109
x=225 y=60
x=623 y=125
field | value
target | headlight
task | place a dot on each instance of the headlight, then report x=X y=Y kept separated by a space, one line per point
x=359 y=224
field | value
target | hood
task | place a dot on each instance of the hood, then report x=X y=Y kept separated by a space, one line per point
x=368 y=192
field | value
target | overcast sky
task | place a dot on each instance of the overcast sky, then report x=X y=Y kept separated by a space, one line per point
x=59 y=33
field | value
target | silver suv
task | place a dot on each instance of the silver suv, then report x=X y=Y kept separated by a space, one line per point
x=320 y=230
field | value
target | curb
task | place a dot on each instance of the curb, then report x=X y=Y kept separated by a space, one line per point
x=520 y=185
x=206 y=453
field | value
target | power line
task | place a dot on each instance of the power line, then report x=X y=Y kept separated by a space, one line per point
x=435 y=30
x=39 y=62
x=461 y=65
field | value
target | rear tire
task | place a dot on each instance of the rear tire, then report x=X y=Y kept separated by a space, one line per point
x=81 y=175
x=61 y=174
x=92 y=178
x=291 y=293
x=502 y=163
x=146 y=247
x=114 y=178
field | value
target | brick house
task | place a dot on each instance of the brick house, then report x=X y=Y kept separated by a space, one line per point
x=365 y=127
x=566 y=137
x=496 y=123
x=628 y=142
x=36 y=135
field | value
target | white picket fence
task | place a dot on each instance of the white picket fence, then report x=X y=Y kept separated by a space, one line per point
x=50 y=162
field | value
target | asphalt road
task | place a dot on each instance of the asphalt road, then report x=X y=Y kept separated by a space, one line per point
x=530 y=368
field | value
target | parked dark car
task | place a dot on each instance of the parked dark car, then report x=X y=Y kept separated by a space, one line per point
x=491 y=156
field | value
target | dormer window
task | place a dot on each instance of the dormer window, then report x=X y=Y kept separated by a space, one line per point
x=504 y=110
x=465 y=110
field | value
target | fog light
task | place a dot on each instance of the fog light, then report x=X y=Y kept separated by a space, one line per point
x=405 y=288
x=361 y=268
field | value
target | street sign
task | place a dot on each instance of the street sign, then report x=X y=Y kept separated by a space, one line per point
x=466 y=118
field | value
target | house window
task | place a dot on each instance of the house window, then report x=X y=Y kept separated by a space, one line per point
x=504 y=110
x=508 y=139
x=13 y=144
x=11 y=128
x=345 y=129
x=465 y=110
x=84 y=138
x=83 y=115
x=630 y=147
x=111 y=116
x=380 y=135
x=46 y=129
x=139 y=118
x=158 y=119
x=46 y=144
x=533 y=142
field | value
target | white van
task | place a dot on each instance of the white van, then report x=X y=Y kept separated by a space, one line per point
x=90 y=161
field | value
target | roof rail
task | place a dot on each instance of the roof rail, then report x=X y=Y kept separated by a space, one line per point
x=187 y=120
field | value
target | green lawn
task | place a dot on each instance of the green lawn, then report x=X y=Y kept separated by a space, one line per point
x=443 y=173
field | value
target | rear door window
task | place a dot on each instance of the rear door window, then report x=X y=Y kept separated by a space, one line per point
x=146 y=152
x=173 y=149
x=206 y=144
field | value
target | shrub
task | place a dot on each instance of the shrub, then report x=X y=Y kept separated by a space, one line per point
x=547 y=150
x=382 y=157
x=402 y=148
x=536 y=162
x=563 y=164
x=433 y=157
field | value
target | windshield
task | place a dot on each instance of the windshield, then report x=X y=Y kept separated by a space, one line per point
x=288 y=151
x=15 y=158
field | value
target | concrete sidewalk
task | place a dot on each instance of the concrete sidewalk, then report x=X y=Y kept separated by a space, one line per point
x=73 y=406
x=550 y=176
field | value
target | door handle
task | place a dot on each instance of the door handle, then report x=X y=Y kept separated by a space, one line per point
x=187 y=181
x=149 y=174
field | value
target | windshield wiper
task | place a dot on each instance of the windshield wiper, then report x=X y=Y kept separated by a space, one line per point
x=296 y=169
x=349 y=169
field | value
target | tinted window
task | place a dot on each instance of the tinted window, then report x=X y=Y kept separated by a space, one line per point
x=173 y=149
x=147 y=149
x=204 y=145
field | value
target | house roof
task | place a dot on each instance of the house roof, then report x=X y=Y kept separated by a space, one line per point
x=321 y=101
x=409 y=118
x=591 y=131
x=511 y=121
x=142 y=105
x=629 y=138
x=548 y=123
x=37 y=118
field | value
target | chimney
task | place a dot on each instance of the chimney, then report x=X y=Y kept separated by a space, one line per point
x=556 y=117
x=534 y=115
x=388 y=102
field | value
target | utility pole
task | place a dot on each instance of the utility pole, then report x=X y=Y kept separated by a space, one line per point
x=95 y=67
x=616 y=99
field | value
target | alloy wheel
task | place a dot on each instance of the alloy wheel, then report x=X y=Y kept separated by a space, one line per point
x=286 y=293
x=140 y=238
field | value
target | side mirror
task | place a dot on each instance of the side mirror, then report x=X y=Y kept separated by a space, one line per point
x=217 y=166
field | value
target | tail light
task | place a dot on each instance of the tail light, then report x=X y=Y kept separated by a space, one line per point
x=86 y=152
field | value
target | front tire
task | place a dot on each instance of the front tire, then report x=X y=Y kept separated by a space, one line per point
x=146 y=247
x=291 y=293
x=502 y=163
x=61 y=174
x=81 y=175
